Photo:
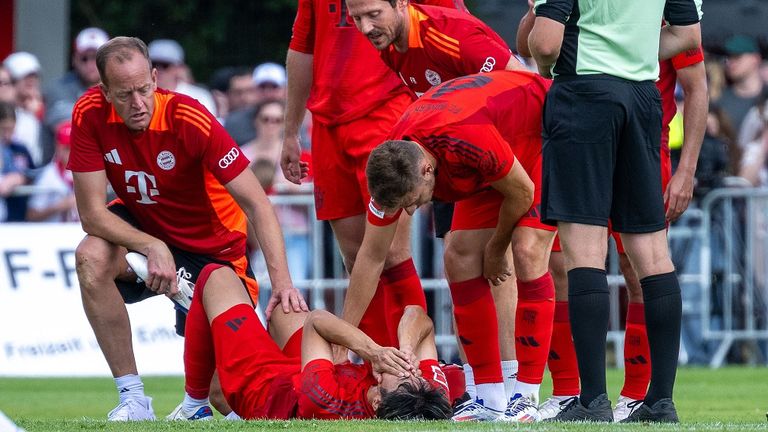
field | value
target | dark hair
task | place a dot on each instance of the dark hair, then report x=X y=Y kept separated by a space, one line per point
x=393 y=171
x=122 y=49
x=414 y=401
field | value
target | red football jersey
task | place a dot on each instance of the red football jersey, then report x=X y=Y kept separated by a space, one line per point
x=328 y=391
x=349 y=78
x=511 y=101
x=444 y=44
x=171 y=176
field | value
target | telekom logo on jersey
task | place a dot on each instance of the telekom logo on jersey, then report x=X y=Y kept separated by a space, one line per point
x=145 y=186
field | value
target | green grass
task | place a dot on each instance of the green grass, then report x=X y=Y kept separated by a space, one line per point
x=712 y=400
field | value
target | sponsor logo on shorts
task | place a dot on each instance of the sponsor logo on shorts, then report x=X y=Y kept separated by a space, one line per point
x=489 y=64
x=432 y=77
x=229 y=158
x=166 y=160
x=374 y=208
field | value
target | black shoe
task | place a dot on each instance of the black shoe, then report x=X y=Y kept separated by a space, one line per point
x=460 y=400
x=663 y=411
x=599 y=410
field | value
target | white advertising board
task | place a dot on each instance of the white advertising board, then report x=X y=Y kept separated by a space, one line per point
x=43 y=329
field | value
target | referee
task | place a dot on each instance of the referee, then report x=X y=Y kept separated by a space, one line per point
x=602 y=129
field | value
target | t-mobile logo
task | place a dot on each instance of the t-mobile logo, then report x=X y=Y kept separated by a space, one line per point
x=147 y=191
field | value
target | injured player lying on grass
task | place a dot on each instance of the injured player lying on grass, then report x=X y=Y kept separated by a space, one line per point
x=288 y=371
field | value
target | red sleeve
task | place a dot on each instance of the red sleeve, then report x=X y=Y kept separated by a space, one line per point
x=303 y=38
x=86 y=154
x=202 y=133
x=481 y=53
x=433 y=374
x=688 y=58
x=377 y=216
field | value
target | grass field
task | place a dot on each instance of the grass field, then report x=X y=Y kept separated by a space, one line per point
x=724 y=399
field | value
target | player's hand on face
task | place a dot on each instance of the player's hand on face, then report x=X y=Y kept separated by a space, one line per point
x=290 y=298
x=392 y=361
x=496 y=266
x=161 y=268
x=294 y=169
x=678 y=195
x=412 y=359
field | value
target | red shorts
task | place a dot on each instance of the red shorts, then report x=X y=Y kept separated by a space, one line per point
x=340 y=154
x=256 y=377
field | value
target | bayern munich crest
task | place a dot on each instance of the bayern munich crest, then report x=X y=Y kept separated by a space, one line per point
x=166 y=160
x=432 y=77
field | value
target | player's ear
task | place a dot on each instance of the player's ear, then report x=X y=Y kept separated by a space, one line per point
x=376 y=399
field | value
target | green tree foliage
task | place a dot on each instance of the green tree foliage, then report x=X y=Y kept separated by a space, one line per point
x=213 y=33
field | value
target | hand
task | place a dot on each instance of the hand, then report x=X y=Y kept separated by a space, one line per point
x=412 y=359
x=161 y=268
x=390 y=360
x=340 y=354
x=294 y=169
x=678 y=194
x=496 y=266
x=290 y=298
x=545 y=71
x=531 y=3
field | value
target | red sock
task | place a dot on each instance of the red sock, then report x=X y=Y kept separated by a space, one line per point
x=478 y=328
x=373 y=322
x=637 y=354
x=402 y=288
x=199 y=358
x=533 y=327
x=562 y=356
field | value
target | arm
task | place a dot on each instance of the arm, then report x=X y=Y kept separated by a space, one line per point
x=299 y=69
x=322 y=329
x=416 y=334
x=518 y=190
x=544 y=43
x=524 y=30
x=251 y=197
x=679 y=192
x=368 y=266
x=675 y=39
x=98 y=221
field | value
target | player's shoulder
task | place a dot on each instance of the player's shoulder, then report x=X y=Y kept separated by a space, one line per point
x=184 y=111
x=91 y=101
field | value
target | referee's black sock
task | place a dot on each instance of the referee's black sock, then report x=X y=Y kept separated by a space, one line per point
x=588 y=306
x=663 y=313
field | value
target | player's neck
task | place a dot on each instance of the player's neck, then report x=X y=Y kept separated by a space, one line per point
x=401 y=43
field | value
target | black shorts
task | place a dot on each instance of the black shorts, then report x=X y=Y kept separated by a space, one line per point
x=602 y=138
x=443 y=215
x=187 y=262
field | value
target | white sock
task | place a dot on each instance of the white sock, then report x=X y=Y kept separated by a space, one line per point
x=129 y=387
x=190 y=404
x=469 y=381
x=492 y=395
x=530 y=390
x=509 y=371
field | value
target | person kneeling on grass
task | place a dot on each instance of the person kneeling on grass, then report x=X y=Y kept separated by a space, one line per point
x=288 y=371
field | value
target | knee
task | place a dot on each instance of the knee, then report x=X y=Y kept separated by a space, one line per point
x=95 y=261
x=456 y=257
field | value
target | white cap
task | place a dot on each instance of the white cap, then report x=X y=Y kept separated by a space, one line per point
x=166 y=51
x=20 y=64
x=90 y=38
x=269 y=73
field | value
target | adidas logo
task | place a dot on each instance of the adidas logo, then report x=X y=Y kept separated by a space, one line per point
x=236 y=323
x=553 y=355
x=113 y=157
x=528 y=341
x=639 y=360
